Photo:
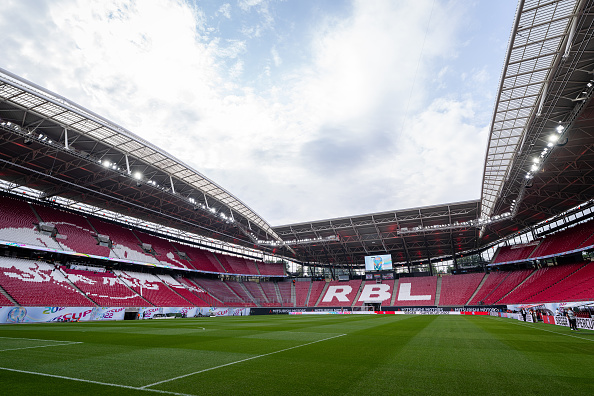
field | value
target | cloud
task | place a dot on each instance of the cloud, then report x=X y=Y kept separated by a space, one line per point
x=225 y=10
x=346 y=131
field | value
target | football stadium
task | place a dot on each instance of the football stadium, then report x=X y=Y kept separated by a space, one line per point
x=124 y=270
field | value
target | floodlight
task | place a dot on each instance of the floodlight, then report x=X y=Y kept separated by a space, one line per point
x=534 y=168
x=536 y=160
x=560 y=129
x=553 y=138
x=138 y=175
x=106 y=163
x=550 y=144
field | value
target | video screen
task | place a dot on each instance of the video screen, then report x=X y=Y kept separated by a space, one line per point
x=378 y=263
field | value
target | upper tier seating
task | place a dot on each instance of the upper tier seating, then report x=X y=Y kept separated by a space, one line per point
x=104 y=288
x=202 y=260
x=152 y=289
x=17 y=224
x=457 y=289
x=539 y=281
x=507 y=284
x=77 y=230
x=125 y=245
x=301 y=290
x=237 y=265
x=515 y=252
x=271 y=269
x=420 y=288
x=566 y=240
x=165 y=251
x=33 y=283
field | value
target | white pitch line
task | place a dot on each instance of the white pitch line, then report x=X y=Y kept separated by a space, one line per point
x=549 y=331
x=239 y=361
x=93 y=382
x=34 y=339
x=42 y=346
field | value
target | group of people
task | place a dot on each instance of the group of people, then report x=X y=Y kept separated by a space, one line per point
x=569 y=313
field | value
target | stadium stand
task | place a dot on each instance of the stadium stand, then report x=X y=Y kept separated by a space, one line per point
x=33 y=283
x=515 y=252
x=4 y=301
x=183 y=291
x=540 y=280
x=77 y=233
x=152 y=289
x=18 y=224
x=565 y=240
x=333 y=300
x=301 y=291
x=244 y=299
x=285 y=291
x=386 y=302
x=579 y=286
x=419 y=286
x=125 y=244
x=199 y=292
x=316 y=290
x=272 y=269
x=104 y=288
x=508 y=282
x=220 y=291
x=256 y=291
x=269 y=288
x=457 y=289
x=164 y=251
x=236 y=265
x=201 y=260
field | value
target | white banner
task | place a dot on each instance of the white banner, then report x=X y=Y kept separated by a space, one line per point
x=224 y=311
x=58 y=314
x=147 y=313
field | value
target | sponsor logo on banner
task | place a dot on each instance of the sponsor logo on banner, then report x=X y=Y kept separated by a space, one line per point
x=16 y=315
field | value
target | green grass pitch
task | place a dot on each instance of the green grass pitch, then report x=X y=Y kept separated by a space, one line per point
x=297 y=355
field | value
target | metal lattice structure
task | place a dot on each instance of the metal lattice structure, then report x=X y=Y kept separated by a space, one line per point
x=537 y=45
x=59 y=148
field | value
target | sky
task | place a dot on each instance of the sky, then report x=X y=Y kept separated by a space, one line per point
x=302 y=109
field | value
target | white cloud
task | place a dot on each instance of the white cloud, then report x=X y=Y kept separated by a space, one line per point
x=327 y=139
x=225 y=10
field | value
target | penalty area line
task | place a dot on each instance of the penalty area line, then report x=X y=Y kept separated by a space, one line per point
x=238 y=361
x=93 y=382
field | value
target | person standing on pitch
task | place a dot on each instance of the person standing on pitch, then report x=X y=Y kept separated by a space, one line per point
x=572 y=320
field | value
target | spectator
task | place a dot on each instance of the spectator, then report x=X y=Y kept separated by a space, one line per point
x=523 y=312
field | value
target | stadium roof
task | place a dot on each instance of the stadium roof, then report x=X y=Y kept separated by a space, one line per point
x=59 y=148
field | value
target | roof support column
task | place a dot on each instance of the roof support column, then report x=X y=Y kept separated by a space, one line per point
x=66 y=138
x=127 y=164
x=170 y=181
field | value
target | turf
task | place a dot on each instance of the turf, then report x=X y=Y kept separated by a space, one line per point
x=297 y=355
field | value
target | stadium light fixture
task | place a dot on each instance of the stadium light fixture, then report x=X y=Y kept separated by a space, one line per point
x=550 y=144
x=137 y=175
x=553 y=138
x=560 y=129
x=534 y=168
x=536 y=160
